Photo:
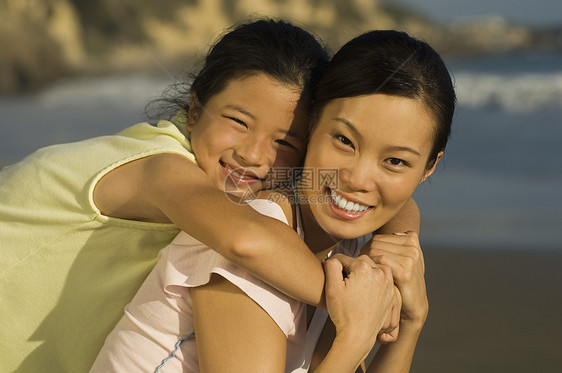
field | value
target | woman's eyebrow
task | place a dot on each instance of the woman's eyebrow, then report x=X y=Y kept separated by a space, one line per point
x=241 y=110
x=404 y=149
x=348 y=124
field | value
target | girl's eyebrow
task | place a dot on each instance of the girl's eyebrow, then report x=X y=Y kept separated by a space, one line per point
x=245 y=112
x=241 y=110
x=289 y=132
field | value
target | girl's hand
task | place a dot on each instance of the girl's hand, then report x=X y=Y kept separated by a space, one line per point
x=360 y=303
x=401 y=252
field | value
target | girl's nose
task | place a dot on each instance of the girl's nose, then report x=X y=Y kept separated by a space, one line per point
x=253 y=153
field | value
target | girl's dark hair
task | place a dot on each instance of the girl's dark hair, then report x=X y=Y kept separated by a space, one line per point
x=279 y=49
x=392 y=63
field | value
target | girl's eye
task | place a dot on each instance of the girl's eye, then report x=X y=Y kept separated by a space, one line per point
x=344 y=140
x=285 y=143
x=238 y=121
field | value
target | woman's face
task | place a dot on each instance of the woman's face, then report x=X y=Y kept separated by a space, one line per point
x=378 y=147
x=252 y=125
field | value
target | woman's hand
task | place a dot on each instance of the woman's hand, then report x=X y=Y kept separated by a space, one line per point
x=401 y=252
x=359 y=297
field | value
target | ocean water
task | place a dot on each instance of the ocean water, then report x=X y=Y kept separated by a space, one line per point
x=499 y=185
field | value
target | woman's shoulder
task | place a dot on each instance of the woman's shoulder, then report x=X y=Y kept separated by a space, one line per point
x=278 y=200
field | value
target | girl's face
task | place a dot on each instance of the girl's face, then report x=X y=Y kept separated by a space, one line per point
x=253 y=124
x=378 y=147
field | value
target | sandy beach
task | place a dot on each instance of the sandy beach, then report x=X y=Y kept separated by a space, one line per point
x=492 y=311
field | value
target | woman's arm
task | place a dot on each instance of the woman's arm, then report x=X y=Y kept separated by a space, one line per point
x=403 y=255
x=233 y=333
x=406 y=220
x=359 y=305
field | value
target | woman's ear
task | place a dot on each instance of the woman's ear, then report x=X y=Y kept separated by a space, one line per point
x=432 y=168
x=193 y=112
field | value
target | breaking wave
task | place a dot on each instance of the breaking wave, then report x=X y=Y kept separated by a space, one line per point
x=521 y=92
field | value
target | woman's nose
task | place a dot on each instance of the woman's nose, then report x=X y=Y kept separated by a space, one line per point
x=358 y=177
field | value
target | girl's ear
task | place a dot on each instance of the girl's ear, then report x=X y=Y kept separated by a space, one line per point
x=432 y=168
x=193 y=112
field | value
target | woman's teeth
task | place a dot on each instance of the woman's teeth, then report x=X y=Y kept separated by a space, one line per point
x=346 y=205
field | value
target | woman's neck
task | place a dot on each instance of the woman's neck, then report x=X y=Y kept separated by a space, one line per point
x=314 y=236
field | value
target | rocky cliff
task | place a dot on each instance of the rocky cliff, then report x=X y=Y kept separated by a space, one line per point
x=41 y=40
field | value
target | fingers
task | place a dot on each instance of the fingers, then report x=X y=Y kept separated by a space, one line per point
x=400 y=251
x=389 y=333
x=334 y=276
x=362 y=273
x=361 y=266
x=363 y=301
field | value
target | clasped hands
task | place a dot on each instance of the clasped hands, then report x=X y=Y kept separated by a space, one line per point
x=374 y=295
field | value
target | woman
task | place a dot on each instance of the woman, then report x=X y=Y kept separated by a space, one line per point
x=383 y=112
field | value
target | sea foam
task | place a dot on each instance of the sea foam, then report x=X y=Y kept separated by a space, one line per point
x=521 y=92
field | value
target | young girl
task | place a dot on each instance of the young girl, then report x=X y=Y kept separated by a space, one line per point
x=382 y=113
x=81 y=224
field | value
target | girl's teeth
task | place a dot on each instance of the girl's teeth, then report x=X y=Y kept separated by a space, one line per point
x=238 y=175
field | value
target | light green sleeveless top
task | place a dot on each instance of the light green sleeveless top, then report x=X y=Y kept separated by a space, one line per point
x=66 y=270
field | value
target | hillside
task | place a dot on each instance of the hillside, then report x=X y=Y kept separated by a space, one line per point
x=42 y=40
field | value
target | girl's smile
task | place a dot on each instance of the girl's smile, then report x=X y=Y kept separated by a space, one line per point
x=240 y=176
x=253 y=124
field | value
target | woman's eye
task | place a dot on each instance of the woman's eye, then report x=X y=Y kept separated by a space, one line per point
x=397 y=162
x=285 y=143
x=344 y=140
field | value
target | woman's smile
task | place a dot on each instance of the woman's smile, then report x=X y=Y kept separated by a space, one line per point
x=346 y=208
x=379 y=144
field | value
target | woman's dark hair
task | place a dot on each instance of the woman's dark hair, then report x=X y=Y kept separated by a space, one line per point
x=278 y=49
x=391 y=63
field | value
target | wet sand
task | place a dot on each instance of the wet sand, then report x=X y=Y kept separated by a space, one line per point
x=492 y=311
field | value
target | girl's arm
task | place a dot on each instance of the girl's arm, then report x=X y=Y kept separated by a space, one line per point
x=170 y=188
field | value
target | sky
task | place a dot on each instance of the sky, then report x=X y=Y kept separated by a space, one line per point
x=529 y=12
